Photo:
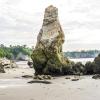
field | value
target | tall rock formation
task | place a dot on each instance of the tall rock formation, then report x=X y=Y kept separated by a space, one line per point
x=47 y=55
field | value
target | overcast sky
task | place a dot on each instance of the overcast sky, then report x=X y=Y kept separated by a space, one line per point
x=21 y=20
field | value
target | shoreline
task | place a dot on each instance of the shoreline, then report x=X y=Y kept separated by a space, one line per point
x=59 y=89
x=14 y=87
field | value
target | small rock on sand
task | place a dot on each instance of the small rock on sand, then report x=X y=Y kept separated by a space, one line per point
x=97 y=76
x=75 y=79
x=43 y=77
x=67 y=77
x=27 y=76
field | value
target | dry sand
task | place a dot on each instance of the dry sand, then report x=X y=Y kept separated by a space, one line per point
x=14 y=87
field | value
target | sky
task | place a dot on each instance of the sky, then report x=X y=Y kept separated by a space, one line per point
x=21 y=21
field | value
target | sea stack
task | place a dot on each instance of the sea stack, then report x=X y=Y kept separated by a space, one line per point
x=48 y=56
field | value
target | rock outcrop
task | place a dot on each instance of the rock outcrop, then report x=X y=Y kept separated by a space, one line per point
x=47 y=55
x=6 y=63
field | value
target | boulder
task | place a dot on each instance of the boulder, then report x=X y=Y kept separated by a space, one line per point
x=8 y=63
x=43 y=77
x=89 y=68
x=78 y=68
x=1 y=68
x=97 y=76
x=97 y=65
x=48 y=56
x=75 y=79
x=30 y=63
x=12 y=64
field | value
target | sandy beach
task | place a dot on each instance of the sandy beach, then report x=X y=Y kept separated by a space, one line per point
x=49 y=49
x=14 y=87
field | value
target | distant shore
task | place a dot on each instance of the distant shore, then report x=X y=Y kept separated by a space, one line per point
x=83 y=60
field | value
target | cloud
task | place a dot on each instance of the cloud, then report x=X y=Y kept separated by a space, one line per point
x=21 y=20
x=80 y=46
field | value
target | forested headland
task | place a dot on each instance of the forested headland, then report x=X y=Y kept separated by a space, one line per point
x=12 y=52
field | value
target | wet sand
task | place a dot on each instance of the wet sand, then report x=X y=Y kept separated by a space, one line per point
x=14 y=87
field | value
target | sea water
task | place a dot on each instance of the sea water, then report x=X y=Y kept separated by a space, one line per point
x=83 y=60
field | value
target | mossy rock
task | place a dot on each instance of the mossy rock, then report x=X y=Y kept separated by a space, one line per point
x=78 y=69
x=39 y=61
x=46 y=63
x=96 y=65
x=54 y=65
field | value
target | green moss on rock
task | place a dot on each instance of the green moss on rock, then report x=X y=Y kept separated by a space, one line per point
x=39 y=60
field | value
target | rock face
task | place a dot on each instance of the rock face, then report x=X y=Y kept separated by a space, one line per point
x=47 y=55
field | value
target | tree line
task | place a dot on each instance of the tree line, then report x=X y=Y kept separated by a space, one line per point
x=82 y=54
x=12 y=52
